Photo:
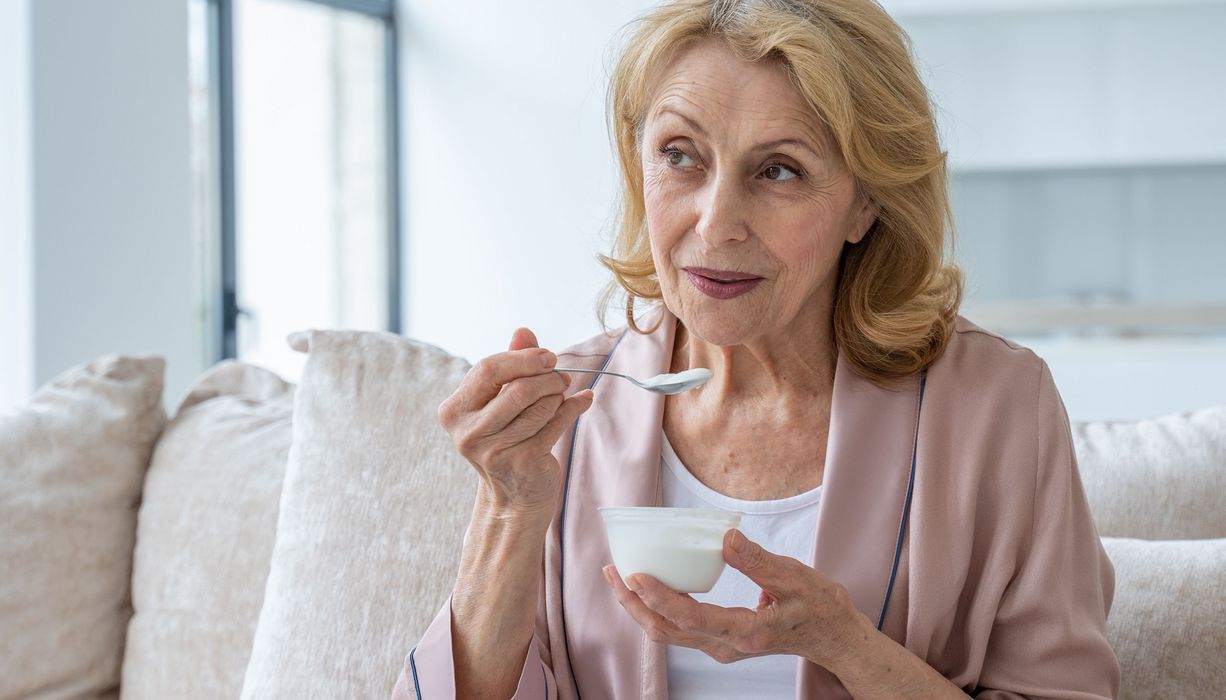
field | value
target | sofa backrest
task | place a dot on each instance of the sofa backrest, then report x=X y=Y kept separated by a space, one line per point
x=1157 y=479
x=327 y=559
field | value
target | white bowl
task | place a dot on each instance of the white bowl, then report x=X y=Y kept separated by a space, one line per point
x=682 y=547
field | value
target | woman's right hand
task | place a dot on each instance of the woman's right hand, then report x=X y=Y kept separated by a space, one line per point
x=504 y=419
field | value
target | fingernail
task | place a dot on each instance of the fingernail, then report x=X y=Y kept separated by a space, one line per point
x=738 y=541
x=636 y=585
x=566 y=379
x=548 y=359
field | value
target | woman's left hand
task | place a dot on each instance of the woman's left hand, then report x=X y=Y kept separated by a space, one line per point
x=800 y=611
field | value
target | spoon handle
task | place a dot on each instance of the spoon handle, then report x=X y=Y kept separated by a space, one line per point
x=589 y=371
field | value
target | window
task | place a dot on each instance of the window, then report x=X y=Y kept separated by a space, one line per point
x=294 y=113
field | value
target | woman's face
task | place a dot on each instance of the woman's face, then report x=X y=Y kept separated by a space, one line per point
x=748 y=202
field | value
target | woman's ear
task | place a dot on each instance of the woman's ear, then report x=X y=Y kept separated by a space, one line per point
x=864 y=219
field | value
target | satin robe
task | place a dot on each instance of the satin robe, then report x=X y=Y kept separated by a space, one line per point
x=952 y=512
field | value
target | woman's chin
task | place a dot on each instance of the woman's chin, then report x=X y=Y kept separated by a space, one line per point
x=720 y=327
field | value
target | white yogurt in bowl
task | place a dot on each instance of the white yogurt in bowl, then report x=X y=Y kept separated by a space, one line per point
x=682 y=547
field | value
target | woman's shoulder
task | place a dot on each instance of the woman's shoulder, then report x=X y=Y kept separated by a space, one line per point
x=974 y=353
x=981 y=370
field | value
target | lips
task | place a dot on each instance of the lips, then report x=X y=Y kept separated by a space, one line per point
x=721 y=284
x=722 y=275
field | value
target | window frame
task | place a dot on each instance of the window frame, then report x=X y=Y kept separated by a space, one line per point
x=221 y=74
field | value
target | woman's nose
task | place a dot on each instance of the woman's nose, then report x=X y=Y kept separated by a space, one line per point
x=721 y=216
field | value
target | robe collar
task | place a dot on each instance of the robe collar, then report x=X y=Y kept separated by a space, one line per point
x=860 y=520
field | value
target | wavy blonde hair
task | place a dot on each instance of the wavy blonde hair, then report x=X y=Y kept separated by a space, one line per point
x=897 y=297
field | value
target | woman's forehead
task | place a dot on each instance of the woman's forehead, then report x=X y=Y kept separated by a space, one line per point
x=707 y=86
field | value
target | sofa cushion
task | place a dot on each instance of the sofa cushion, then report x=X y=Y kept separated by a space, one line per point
x=205 y=535
x=71 y=466
x=1163 y=478
x=372 y=516
x=1168 y=620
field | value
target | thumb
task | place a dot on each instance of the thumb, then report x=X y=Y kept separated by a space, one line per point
x=522 y=339
x=771 y=572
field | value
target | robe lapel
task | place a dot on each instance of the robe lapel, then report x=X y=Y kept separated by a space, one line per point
x=615 y=462
x=868 y=465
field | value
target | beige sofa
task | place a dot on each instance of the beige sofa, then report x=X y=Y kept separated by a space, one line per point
x=280 y=541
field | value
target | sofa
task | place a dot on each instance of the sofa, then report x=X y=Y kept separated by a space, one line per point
x=270 y=540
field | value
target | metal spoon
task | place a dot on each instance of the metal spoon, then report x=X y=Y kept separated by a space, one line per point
x=661 y=383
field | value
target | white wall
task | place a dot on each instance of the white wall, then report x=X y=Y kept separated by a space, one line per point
x=113 y=268
x=509 y=172
x=1095 y=83
x=903 y=9
x=1126 y=379
x=16 y=349
x=509 y=175
x=1086 y=148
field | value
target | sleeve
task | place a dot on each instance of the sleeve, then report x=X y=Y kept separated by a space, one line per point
x=1049 y=638
x=429 y=670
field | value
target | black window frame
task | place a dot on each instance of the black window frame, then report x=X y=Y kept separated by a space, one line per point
x=221 y=74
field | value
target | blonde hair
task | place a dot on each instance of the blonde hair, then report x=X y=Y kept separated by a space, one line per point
x=897 y=298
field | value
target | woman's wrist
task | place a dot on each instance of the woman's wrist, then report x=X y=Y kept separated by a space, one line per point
x=871 y=665
x=503 y=543
x=495 y=510
x=496 y=595
x=852 y=641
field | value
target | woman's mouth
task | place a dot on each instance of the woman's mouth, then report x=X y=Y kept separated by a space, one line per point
x=721 y=284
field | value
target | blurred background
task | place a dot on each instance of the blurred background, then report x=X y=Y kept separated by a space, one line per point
x=198 y=178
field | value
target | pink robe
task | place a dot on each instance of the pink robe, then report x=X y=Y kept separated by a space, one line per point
x=952 y=512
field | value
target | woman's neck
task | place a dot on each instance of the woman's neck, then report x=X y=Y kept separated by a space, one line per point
x=794 y=363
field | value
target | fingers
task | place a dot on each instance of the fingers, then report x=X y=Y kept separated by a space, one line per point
x=522 y=339
x=527 y=402
x=810 y=614
x=659 y=628
x=486 y=379
x=567 y=413
x=775 y=574
x=689 y=615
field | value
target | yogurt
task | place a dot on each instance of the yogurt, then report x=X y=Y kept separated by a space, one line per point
x=682 y=547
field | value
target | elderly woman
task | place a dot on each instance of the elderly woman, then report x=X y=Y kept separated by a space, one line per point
x=914 y=524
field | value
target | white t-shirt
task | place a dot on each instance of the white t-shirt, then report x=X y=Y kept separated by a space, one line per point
x=786 y=526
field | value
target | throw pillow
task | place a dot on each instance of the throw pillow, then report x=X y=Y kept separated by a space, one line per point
x=205 y=536
x=372 y=517
x=71 y=466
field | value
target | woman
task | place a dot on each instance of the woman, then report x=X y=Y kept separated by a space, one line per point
x=915 y=525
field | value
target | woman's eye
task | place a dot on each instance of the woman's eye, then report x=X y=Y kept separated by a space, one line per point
x=676 y=157
x=779 y=173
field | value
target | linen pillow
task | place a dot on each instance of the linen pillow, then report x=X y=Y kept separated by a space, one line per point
x=71 y=466
x=373 y=511
x=1168 y=620
x=1158 y=479
x=205 y=535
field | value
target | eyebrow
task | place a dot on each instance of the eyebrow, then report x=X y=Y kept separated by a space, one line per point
x=692 y=124
x=768 y=146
